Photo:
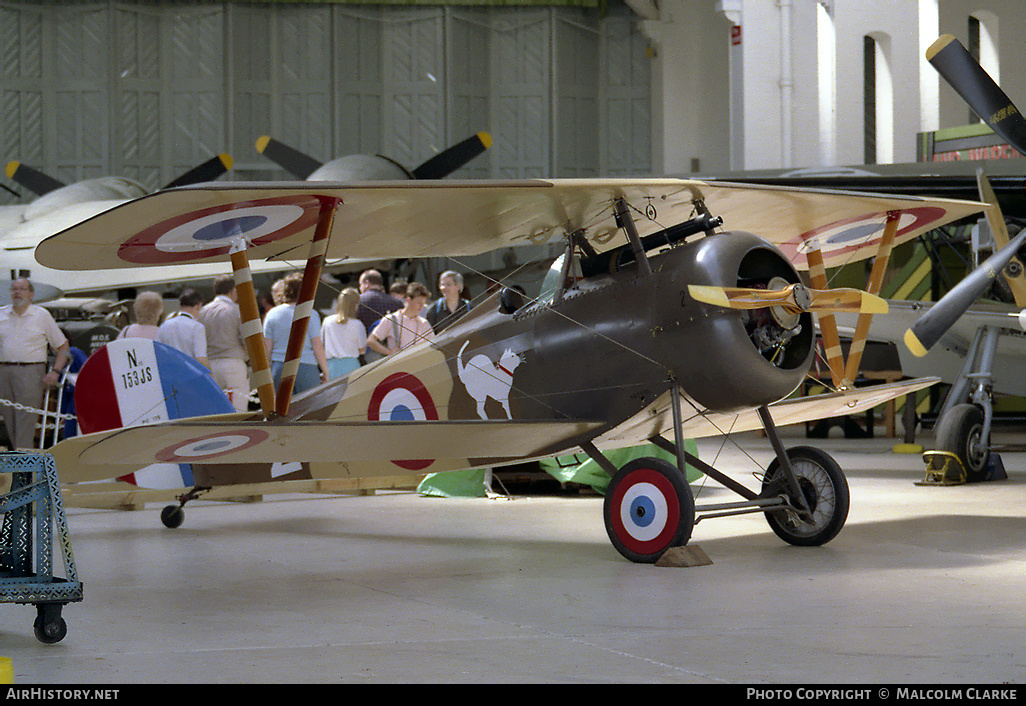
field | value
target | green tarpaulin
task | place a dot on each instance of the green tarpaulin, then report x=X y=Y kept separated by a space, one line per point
x=566 y=469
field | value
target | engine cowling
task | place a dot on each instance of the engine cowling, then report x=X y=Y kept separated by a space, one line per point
x=729 y=359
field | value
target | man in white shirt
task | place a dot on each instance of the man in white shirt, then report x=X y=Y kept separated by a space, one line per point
x=26 y=330
x=183 y=331
x=226 y=347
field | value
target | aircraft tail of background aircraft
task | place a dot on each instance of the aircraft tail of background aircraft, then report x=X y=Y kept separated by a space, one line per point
x=619 y=354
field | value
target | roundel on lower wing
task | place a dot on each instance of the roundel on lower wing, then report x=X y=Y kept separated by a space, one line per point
x=402 y=397
x=211 y=446
x=647 y=511
x=211 y=231
x=850 y=235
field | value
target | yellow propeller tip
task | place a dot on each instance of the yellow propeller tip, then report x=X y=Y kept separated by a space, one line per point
x=914 y=344
x=710 y=295
x=874 y=305
x=939 y=44
x=12 y=167
x=486 y=139
x=226 y=160
x=261 y=143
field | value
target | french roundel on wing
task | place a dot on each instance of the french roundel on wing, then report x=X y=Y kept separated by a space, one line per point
x=852 y=234
x=211 y=446
x=212 y=231
x=402 y=397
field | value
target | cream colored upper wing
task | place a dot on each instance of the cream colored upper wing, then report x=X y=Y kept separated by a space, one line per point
x=452 y=218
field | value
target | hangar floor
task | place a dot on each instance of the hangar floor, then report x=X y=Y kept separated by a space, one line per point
x=924 y=585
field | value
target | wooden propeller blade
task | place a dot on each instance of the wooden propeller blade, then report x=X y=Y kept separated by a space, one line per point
x=1014 y=272
x=794 y=298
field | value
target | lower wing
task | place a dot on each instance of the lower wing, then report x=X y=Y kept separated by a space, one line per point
x=221 y=440
x=657 y=419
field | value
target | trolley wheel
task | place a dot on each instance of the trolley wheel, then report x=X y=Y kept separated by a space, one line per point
x=172 y=516
x=825 y=490
x=648 y=509
x=49 y=626
x=960 y=431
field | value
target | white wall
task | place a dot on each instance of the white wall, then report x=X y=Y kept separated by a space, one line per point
x=760 y=105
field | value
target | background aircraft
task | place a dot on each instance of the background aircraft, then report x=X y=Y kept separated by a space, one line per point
x=366 y=167
x=617 y=357
x=977 y=347
x=59 y=206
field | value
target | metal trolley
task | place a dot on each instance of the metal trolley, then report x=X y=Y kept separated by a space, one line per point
x=30 y=511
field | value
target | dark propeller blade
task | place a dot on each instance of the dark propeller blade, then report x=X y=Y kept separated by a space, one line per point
x=294 y=161
x=977 y=88
x=208 y=171
x=449 y=160
x=32 y=179
x=935 y=322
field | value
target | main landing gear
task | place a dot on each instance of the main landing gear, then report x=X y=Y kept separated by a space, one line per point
x=649 y=507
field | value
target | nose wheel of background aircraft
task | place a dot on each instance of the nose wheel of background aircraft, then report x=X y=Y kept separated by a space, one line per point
x=648 y=509
x=824 y=490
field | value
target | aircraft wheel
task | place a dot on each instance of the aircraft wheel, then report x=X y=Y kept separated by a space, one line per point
x=960 y=431
x=172 y=516
x=826 y=493
x=648 y=509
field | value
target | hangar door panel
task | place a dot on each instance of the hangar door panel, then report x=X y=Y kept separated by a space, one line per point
x=150 y=89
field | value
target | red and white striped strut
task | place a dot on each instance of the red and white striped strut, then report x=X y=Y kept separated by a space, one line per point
x=304 y=304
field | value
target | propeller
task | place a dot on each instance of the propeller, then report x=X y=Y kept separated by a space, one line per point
x=208 y=171
x=295 y=162
x=42 y=184
x=371 y=167
x=449 y=160
x=978 y=89
x=794 y=298
x=32 y=179
x=925 y=332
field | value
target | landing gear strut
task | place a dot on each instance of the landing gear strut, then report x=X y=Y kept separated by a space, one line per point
x=649 y=507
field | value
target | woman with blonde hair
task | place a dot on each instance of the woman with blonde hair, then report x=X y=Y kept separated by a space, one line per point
x=148 y=308
x=344 y=335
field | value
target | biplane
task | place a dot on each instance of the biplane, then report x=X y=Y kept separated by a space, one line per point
x=671 y=320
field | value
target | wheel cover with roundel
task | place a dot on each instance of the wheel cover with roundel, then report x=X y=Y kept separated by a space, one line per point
x=644 y=513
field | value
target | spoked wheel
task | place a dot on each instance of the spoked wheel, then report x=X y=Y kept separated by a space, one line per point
x=825 y=491
x=648 y=509
x=960 y=431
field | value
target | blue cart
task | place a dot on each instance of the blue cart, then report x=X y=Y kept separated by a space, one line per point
x=31 y=511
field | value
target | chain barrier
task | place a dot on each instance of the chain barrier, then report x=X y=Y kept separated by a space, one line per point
x=26 y=408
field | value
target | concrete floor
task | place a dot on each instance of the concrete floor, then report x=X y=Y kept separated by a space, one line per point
x=923 y=585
